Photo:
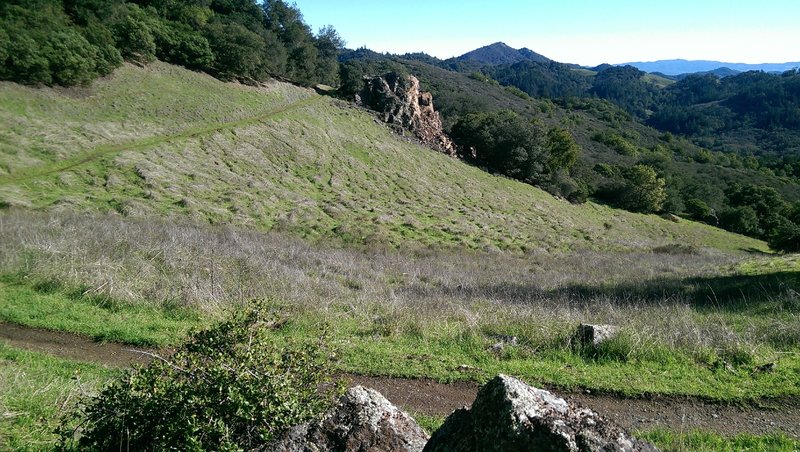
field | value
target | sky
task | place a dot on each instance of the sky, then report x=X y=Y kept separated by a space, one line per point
x=586 y=32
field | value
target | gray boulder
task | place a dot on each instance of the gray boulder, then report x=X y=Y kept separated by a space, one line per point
x=594 y=335
x=509 y=415
x=362 y=421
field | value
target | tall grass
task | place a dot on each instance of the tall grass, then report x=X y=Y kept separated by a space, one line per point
x=661 y=300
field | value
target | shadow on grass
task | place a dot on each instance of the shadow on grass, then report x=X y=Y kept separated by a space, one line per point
x=734 y=293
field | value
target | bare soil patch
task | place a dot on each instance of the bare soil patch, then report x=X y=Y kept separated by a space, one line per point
x=72 y=346
x=676 y=413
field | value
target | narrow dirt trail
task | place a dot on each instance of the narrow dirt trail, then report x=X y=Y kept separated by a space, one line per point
x=431 y=398
x=149 y=142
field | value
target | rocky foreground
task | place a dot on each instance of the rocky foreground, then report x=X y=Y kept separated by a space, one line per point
x=507 y=415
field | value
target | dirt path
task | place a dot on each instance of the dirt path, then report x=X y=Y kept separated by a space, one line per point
x=432 y=398
x=87 y=156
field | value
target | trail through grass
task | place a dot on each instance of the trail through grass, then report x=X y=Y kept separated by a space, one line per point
x=145 y=143
x=98 y=318
x=163 y=141
x=698 y=323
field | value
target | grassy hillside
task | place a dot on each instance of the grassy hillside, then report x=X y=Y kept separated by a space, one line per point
x=159 y=199
x=166 y=141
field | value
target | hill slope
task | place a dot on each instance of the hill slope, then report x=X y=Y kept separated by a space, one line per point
x=166 y=141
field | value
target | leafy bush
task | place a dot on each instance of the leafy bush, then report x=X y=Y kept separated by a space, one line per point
x=237 y=50
x=231 y=387
x=698 y=210
x=742 y=220
x=74 y=41
x=786 y=237
x=45 y=49
x=562 y=148
x=108 y=57
x=521 y=149
x=643 y=191
x=72 y=59
x=616 y=142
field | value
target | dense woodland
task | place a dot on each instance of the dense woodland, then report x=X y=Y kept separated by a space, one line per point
x=725 y=151
x=75 y=41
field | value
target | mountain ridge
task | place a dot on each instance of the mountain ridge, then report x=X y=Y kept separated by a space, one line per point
x=501 y=53
x=679 y=66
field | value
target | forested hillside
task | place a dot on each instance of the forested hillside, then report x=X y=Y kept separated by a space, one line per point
x=620 y=160
x=55 y=42
x=743 y=114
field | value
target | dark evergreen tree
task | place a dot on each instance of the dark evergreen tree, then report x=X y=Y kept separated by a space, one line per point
x=505 y=141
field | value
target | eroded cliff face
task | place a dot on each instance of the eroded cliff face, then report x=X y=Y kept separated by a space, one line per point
x=399 y=101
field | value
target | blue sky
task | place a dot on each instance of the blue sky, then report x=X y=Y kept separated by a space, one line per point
x=574 y=31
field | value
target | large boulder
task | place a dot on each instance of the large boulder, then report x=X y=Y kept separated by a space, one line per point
x=362 y=421
x=398 y=100
x=509 y=415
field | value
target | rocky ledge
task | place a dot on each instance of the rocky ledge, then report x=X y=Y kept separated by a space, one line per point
x=362 y=421
x=507 y=415
x=398 y=101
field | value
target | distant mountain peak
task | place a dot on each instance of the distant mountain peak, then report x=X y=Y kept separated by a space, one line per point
x=502 y=53
x=680 y=67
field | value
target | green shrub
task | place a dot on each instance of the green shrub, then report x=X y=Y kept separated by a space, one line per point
x=616 y=142
x=231 y=387
x=5 y=44
x=72 y=58
x=108 y=57
x=191 y=50
x=563 y=151
x=699 y=210
x=26 y=63
x=786 y=237
x=505 y=141
x=743 y=220
x=644 y=190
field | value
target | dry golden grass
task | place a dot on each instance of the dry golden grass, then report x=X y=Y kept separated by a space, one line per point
x=663 y=298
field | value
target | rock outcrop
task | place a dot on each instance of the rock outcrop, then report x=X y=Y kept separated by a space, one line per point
x=509 y=415
x=398 y=101
x=362 y=421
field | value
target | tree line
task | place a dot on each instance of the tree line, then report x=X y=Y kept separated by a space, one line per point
x=70 y=42
x=749 y=114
